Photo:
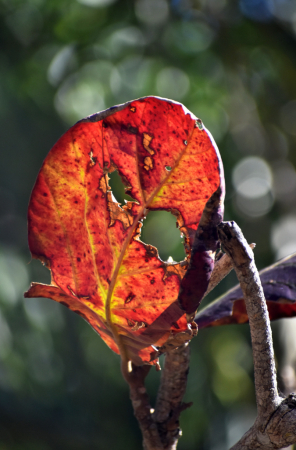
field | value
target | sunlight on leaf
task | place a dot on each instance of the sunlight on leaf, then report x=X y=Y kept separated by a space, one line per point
x=99 y=266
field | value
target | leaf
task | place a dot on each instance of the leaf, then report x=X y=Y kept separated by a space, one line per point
x=279 y=287
x=99 y=267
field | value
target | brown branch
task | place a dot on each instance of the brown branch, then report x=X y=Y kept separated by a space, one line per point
x=242 y=256
x=141 y=405
x=172 y=388
x=275 y=426
x=160 y=429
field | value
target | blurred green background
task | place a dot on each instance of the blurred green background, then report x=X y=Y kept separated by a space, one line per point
x=233 y=64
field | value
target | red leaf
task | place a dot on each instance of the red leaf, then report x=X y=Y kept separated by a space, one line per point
x=99 y=267
x=278 y=282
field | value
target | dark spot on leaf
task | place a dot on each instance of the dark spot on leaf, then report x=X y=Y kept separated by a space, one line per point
x=129 y=298
x=78 y=259
x=132 y=130
x=151 y=251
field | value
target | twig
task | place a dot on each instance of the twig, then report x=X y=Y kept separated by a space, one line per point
x=141 y=405
x=275 y=426
x=160 y=429
x=172 y=388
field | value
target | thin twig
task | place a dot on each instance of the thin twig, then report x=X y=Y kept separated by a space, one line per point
x=172 y=388
x=160 y=429
x=141 y=405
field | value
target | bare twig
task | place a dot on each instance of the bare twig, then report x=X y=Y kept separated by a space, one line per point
x=172 y=388
x=160 y=429
x=275 y=426
x=141 y=405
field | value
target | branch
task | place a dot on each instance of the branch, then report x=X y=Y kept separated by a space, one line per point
x=172 y=388
x=160 y=429
x=275 y=426
x=141 y=405
x=237 y=248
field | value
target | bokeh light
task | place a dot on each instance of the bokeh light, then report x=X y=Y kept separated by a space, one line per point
x=152 y=12
x=283 y=236
x=253 y=182
x=78 y=95
x=288 y=117
x=96 y=3
x=172 y=83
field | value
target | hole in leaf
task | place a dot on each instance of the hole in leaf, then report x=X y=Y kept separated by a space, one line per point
x=168 y=168
x=117 y=187
x=159 y=230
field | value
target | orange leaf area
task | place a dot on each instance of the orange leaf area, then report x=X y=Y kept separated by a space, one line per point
x=99 y=267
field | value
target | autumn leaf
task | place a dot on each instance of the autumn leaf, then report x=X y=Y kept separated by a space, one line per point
x=99 y=267
x=279 y=290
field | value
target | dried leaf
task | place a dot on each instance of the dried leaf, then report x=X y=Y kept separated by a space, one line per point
x=99 y=267
x=196 y=280
x=279 y=287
